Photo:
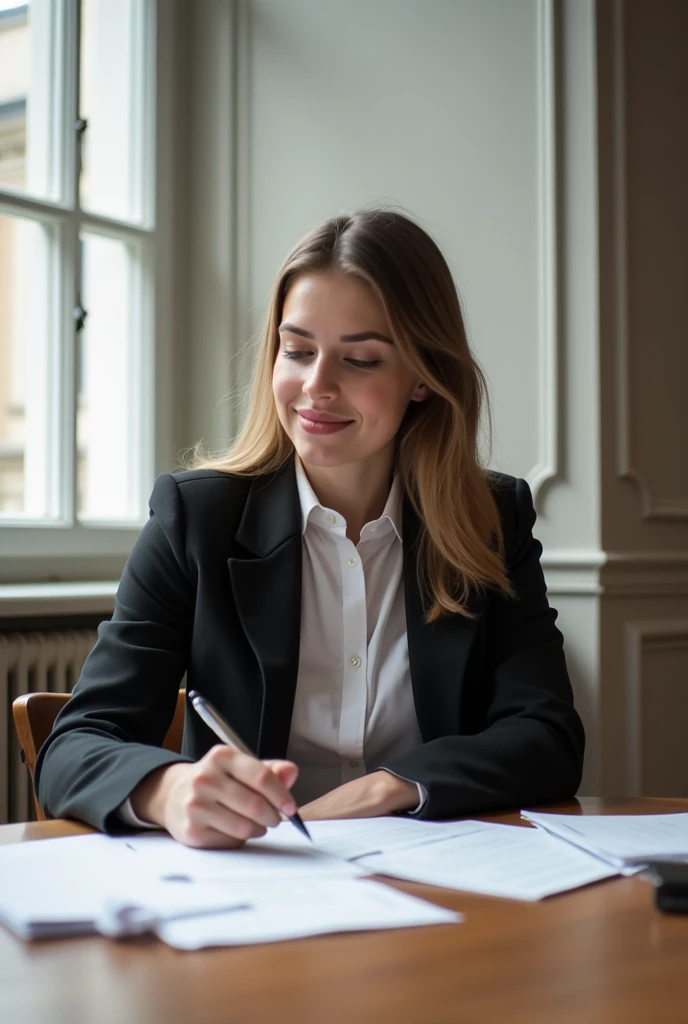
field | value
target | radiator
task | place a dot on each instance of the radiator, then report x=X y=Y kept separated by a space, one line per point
x=32 y=663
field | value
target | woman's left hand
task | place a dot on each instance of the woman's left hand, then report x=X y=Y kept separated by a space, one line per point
x=376 y=794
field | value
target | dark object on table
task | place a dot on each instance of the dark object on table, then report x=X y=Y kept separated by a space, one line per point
x=671 y=885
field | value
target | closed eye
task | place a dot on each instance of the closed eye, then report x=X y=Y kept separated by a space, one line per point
x=361 y=364
x=364 y=364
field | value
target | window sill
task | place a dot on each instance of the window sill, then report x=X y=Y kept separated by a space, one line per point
x=21 y=600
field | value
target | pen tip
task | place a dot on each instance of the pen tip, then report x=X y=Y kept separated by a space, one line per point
x=301 y=827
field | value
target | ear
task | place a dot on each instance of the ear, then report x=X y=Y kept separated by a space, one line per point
x=420 y=393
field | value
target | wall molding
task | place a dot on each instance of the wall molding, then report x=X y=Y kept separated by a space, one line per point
x=667 y=507
x=547 y=468
x=218 y=244
x=240 y=351
x=644 y=637
x=573 y=572
x=23 y=600
x=576 y=572
x=645 y=574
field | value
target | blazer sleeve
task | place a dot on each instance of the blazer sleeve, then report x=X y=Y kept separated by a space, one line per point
x=531 y=749
x=107 y=737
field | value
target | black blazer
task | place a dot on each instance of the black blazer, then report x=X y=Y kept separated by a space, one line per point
x=213 y=588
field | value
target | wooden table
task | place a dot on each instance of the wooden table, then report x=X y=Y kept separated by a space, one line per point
x=601 y=954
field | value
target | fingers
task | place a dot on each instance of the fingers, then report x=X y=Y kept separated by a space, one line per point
x=205 y=837
x=236 y=797
x=286 y=772
x=205 y=822
x=255 y=775
x=226 y=798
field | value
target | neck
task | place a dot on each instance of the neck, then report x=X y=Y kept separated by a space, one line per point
x=358 y=491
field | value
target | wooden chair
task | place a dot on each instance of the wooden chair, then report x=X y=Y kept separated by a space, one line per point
x=34 y=714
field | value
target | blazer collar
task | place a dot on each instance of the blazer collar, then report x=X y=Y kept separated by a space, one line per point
x=272 y=513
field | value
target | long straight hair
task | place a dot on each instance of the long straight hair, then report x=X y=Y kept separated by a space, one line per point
x=461 y=547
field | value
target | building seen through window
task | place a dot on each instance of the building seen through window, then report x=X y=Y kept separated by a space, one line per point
x=75 y=435
x=14 y=85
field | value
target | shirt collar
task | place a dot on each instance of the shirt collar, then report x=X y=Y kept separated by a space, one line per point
x=313 y=512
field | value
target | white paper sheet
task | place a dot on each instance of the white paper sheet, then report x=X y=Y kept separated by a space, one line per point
x=278 y=855
x=497 y=860
x=357 y=837
x=57 y=886
x=620 y=839
x=134 y=909
x=306 y=908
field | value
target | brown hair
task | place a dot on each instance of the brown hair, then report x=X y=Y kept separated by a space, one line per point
x=461 y=546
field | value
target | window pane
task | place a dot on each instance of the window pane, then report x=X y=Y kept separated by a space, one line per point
x=28 y=368
x=109 y=438
x=29 y=95
x=113 y=103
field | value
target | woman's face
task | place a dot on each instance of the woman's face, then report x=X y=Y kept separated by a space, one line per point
x=341 y=387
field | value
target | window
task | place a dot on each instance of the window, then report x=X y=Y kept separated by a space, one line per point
x=77 y=278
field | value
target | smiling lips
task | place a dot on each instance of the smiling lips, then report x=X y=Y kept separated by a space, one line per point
x=320 y=422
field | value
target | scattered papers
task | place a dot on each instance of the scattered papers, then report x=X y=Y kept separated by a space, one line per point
x=306 y=908
x=282 y=886
x=497 y=860
x=623 y=840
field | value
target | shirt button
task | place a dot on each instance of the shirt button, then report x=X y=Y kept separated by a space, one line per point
x=355 y=661
x=351 y=561
x=353 y=764
x=330 y=518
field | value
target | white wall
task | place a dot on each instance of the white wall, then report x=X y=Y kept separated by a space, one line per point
x=415 y=104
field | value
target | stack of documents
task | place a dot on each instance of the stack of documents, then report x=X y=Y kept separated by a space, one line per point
x=624 y=841
x=263 y=892
x=56 y=887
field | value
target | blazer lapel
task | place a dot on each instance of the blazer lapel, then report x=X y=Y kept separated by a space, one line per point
x=438 y=652
x=267 y=591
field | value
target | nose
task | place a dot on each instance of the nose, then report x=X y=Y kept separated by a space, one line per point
x=320 y=380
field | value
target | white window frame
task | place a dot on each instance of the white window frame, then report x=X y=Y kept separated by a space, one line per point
x=65 y=548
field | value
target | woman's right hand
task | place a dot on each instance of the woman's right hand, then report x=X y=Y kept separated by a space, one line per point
x=220 y=801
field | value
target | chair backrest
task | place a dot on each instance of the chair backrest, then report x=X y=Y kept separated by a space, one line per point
x=35 y=713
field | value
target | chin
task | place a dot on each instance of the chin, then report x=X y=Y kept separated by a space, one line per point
x=317 y=455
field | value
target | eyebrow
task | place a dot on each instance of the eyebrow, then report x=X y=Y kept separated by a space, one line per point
x=361 y=336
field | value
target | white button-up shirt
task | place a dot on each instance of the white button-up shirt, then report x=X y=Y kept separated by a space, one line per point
x=354 y=704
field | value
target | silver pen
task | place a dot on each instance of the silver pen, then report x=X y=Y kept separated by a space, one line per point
x=222 y=729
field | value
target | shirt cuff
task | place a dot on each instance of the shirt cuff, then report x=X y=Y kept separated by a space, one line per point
x=422 y=792
x=127 y=814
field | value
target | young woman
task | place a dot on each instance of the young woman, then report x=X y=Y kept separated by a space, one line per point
x=360 y=599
